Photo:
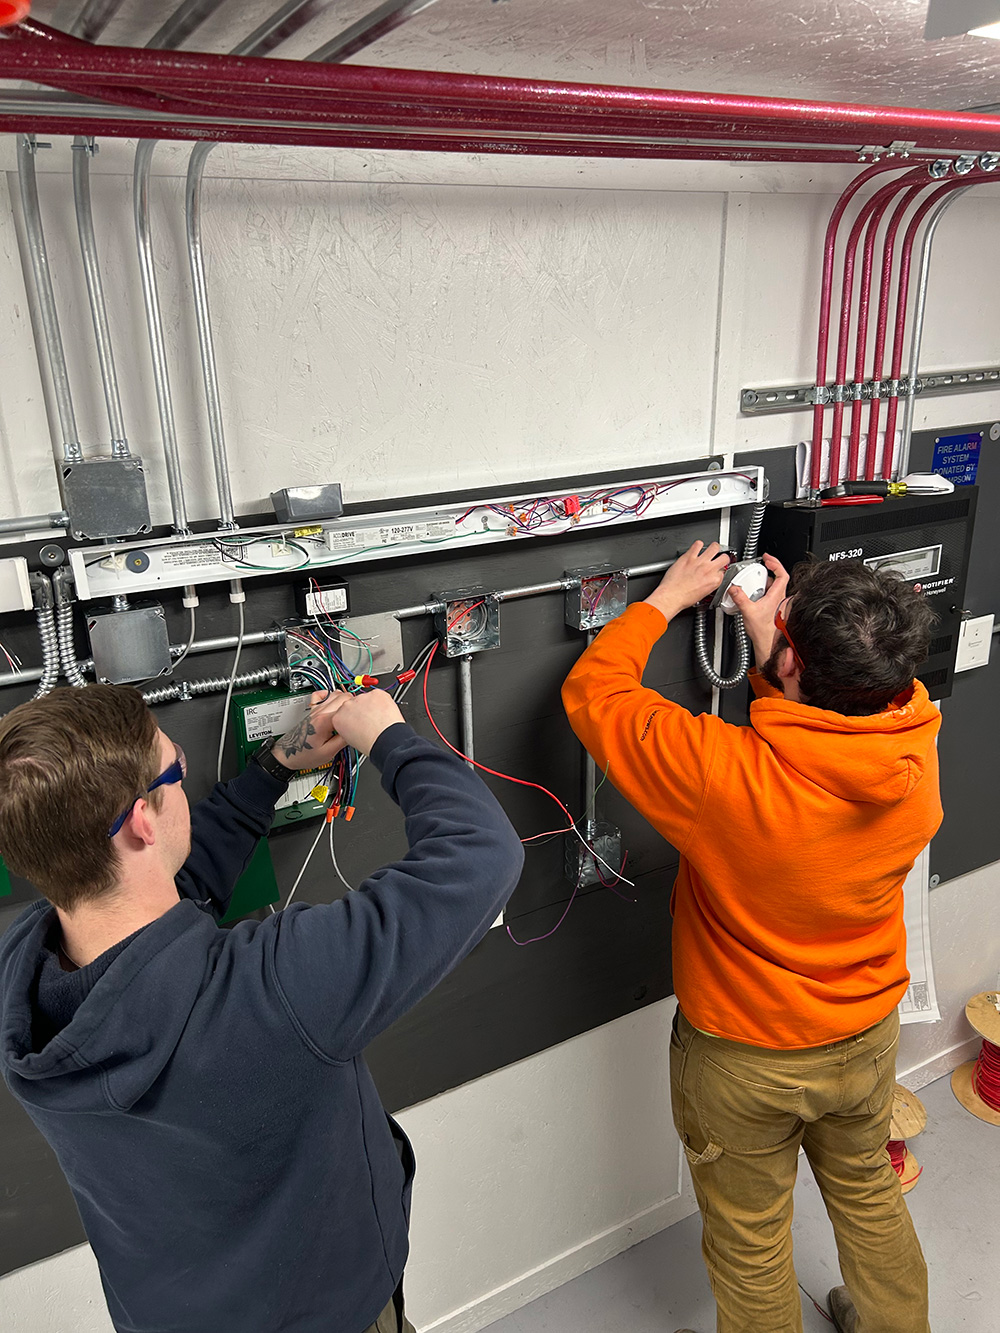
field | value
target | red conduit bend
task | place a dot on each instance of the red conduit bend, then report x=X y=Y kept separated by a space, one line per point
x=847 y=296
x=823 y=336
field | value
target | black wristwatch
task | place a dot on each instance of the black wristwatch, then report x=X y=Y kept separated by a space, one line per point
x=266 y=759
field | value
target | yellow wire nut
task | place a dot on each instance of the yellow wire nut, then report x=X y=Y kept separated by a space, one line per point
x=320 y=793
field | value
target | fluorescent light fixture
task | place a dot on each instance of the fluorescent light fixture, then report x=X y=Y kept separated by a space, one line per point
x=953 y=18
x=990 y=30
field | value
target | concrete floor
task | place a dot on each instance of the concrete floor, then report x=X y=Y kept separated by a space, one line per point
x=660 y=1285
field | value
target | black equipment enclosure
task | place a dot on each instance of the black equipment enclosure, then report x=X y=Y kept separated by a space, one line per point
x=926 y=538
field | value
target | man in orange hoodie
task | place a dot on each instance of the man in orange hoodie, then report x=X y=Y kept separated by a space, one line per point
x=789 y=953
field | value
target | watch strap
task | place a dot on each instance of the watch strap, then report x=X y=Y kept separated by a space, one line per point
x=266 y=759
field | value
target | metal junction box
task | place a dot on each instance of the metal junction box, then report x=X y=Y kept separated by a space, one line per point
x=129 y=645
x=106 y=497
x=926 y=538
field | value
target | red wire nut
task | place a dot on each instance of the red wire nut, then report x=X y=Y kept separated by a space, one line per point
x=13 y=11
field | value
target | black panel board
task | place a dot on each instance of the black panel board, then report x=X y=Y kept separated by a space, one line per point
x=968 y=748
x=503 y=1003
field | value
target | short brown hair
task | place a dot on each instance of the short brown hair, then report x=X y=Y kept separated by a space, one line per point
x=70 y=763
x=861 y=634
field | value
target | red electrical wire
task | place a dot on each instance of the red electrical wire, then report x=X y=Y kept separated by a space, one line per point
x=986 y=1075
x=522 y=782
x=897 y=1155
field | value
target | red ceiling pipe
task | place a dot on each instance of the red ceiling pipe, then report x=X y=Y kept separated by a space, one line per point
x=115 y=127
x=881 y=319
x=723 y=115
x=902 y=296
x=876 y=201
x=823 y=337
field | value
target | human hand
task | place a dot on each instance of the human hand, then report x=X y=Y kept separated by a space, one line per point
x=692 y=576
x=758 y=617
x=336 y=719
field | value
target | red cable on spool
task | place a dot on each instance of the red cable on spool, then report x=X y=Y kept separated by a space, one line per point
x=897 y=1155
x=986 y=1075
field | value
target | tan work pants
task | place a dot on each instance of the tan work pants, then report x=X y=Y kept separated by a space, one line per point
x=392 y=1319
x=741 y=1113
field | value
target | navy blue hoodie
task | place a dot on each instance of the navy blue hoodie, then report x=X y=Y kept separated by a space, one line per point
x=204 y=1089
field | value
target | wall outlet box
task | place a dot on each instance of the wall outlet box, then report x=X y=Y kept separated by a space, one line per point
x=15 y=590
x=974 y=639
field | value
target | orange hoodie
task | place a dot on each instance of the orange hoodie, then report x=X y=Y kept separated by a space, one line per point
x=796 y=834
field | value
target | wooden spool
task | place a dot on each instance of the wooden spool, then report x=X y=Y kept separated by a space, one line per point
x=983 y=1012
x=909 y=1118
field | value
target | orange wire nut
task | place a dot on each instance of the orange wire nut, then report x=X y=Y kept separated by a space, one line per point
x=13 y=11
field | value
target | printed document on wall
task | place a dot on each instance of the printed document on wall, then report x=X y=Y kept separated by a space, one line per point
x=919 y=1004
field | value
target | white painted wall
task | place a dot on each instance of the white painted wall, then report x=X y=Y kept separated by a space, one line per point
x=413 y=323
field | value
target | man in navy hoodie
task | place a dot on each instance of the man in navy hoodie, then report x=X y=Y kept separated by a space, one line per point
x=205 y=1090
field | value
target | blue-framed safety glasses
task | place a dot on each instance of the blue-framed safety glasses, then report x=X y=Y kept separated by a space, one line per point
x=175 y=772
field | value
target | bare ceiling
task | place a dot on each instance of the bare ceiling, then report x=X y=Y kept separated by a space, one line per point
x=869 y=51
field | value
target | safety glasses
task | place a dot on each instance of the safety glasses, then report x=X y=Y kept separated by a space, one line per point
x=175 y=772
x=782 y=625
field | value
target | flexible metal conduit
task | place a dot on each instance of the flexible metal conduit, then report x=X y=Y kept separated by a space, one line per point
x=154 y=330
x=742 y=642
x=62 y=587
x=41 y=592
x=48 y=315
x=188 y=689
x=83 y=149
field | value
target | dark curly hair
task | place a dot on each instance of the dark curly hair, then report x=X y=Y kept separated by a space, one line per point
x=861 y=634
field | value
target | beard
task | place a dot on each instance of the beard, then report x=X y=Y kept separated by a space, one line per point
x=770 y=668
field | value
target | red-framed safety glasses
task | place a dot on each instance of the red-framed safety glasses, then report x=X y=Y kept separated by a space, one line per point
x=782 y=625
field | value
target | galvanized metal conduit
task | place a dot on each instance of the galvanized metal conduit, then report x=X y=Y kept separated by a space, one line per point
x=532 y=590
x=209 y=369
x=275 y=634
x=356 y=37
x=35 y=522
x=219 y=645
x=83 y=149
x=48 y=315
x=916 y=337
x=157 y=343
x=466 y=732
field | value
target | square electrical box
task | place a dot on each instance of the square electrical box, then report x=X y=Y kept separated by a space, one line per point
x=469 y=622
x=366 y=645
x=598 y=596
x=257 y=715
x=106 y=497
x=603 y=840
x=129 y=645
x=926 y=539
x=306 y=504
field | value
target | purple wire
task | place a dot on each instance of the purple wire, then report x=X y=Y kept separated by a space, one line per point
x=538 y=938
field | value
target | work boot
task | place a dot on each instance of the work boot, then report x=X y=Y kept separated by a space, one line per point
x=845 y=1316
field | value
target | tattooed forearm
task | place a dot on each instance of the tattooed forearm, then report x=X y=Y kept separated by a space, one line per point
x=296 y=740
